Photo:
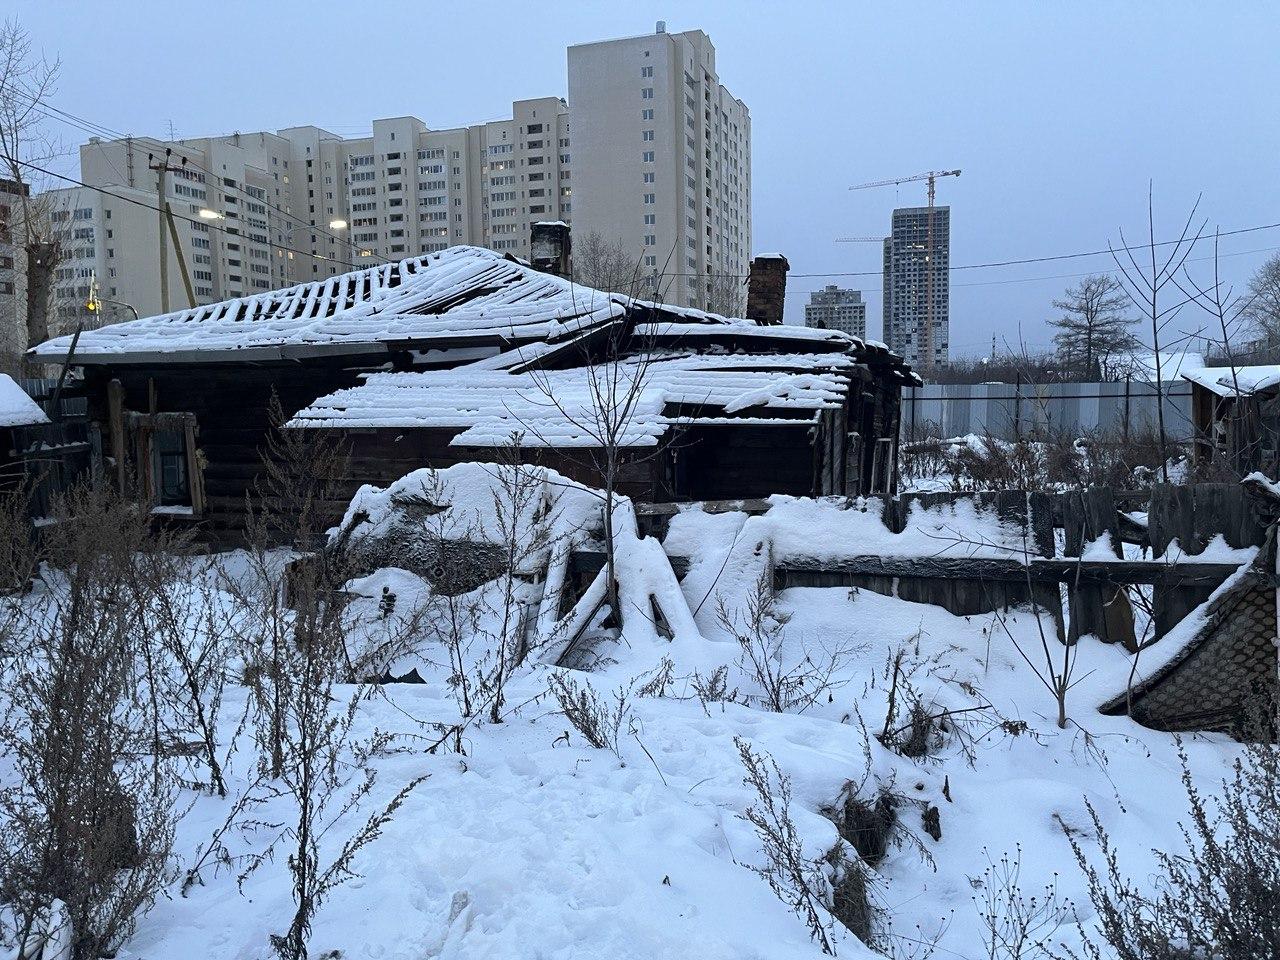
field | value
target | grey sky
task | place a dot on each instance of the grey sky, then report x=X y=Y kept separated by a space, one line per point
x=1058 y=114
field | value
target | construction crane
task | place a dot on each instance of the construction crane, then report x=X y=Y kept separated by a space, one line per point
x=859 y=239
x=932 y=178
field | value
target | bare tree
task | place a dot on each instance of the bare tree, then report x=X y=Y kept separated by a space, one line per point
x=611 y=393
x=1263 y=301
x=1232 y=315
x=520 y=516
x=1093 y=324
x=726 y=295
x=606 y=265
x=27 y=81
x=1146 y=281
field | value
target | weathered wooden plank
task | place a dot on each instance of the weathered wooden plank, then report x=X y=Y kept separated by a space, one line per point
x=1226 y=509
x=1171 y=516
x=1099 y=608
x=1042 y=570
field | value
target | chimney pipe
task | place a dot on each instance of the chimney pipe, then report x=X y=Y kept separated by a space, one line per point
x=551 y=248
x=767 y=288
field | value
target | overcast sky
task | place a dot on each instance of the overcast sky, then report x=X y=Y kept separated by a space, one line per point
x=1058 y=114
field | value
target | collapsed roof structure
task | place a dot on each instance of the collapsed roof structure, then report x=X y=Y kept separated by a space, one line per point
x=446 y=357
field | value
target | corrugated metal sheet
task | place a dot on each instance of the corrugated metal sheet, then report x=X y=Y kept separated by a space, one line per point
x=1010 y=410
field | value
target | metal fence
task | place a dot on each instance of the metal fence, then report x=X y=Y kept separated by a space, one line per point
x=1013 y=410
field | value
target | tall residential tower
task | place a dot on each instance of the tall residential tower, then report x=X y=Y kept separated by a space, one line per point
x=662 y=163
x=910 y=277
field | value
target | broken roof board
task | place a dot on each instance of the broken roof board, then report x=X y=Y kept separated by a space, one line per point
x=558 y=408
x=462 y=293
x=462 y=296
x=16 y=408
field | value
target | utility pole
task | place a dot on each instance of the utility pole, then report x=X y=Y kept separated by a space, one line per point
x=166 y=227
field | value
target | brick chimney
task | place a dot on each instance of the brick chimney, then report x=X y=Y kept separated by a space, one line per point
x=551 y=248
x=766 y=288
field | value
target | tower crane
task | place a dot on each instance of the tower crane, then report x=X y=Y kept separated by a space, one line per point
x=932 y=178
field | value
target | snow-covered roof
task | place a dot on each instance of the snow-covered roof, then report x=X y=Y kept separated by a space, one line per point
x=488 y=406
x=1224 y=381
x=465 y=294
x=16 y=408
x=459 y=297
x=713 y=327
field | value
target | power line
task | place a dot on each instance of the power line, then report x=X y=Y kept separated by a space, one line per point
x=151 y=206
x=1070 y=276
x=98 y=129
x=993 y=263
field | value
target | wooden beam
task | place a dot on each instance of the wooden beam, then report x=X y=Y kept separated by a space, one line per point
x=1040 y=570
x=797 y=570
x=115 y=424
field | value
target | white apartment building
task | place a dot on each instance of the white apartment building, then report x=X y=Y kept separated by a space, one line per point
x=258 y=211
x=662 y=162
x=11 y=316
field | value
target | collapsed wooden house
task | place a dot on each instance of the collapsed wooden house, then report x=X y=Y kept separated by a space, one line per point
x=442 y=358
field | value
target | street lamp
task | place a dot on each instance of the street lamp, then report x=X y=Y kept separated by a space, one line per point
x=207 y=214
x=337 y=224
x=120 y=303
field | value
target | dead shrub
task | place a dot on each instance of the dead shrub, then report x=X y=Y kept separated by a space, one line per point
x=1216 y=900
x=784 y=684
x=598 y=719
x=713 y=688
x=1015 y=925
x=1048 y=460
x=802 y=883
x=867 y=826
x=87 y=822
x=851 y=894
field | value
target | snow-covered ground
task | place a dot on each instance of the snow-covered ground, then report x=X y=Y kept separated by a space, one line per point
x=532 y=844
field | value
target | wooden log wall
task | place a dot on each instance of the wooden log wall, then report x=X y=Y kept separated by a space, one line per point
x=231 y=405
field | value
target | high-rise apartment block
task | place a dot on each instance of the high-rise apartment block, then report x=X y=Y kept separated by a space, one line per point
x=259 y=211
x=834 y=308
x=910 y=277
x=662 y=163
